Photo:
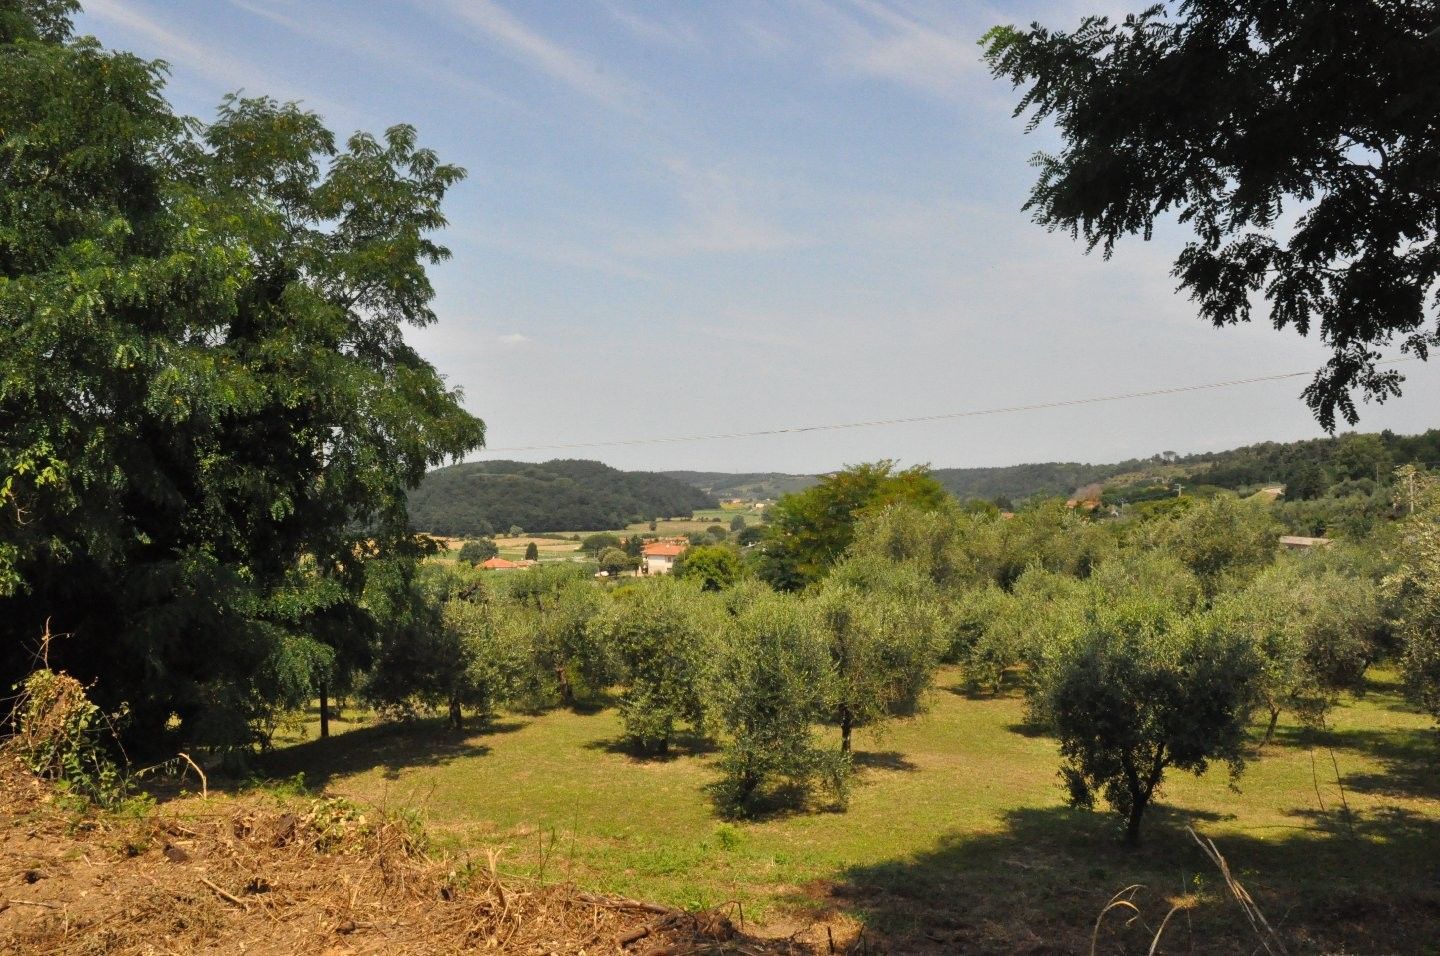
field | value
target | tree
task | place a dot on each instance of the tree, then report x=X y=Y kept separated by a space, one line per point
x=1220 y=539
x=812 y=528
x=737 y=523
x=565 y=648
x=1141 y=689
x=209 y=416
x=883 y=643
x=714 y=567
x=1415 y=585
x=595 y=543
x=661 y=633
x=615 y=562
x=1231 y=116
x=769 y=687
x=1313 y=629
x=474 y=552
x=532 y=551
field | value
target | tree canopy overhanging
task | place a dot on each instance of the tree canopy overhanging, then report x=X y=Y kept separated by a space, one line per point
x=209 y=415
x=1300 y=142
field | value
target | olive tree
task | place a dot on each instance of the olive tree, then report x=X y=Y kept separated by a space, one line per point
x=770 y=685
x=1313 y=629
x=1142 y=688
x=1416 y=585
x=661 y=634
x=883 y=639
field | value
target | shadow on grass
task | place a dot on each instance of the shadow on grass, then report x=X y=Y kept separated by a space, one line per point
x=392 y=747
x=883 y=760
x=1409 y=758
x=687 y=744
x=1038 y=885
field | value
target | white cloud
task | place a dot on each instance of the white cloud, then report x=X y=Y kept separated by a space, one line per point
x=513 y=339
x=180 y=50
x=664 y=32
x=877 y=39
x=528 y=46
x=378 y=48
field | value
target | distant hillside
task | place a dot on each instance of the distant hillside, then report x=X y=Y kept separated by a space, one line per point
x=1340 y=465
x=482 y=498
x=752 y=487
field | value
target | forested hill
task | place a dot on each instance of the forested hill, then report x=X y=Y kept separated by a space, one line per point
x=752 y=486
x=1311 y=467
x=489 y=497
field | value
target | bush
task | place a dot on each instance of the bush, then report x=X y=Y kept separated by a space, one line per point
x=61 y=736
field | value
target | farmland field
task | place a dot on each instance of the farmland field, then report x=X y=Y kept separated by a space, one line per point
x=956 y=834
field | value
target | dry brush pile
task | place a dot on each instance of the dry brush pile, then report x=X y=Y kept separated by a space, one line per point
x=263 y=874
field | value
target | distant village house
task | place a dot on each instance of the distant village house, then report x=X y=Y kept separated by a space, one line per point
x=659 y=556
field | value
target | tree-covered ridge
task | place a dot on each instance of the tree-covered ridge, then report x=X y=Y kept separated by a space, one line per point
x=482 y=498
x=751 y=486
x=1312 y=467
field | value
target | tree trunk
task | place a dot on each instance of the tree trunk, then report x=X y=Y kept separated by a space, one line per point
x=567 y=693
x=1270 y=731
x=847 y=723
x=457 y=719
x=324 y=710
x=1132 y=822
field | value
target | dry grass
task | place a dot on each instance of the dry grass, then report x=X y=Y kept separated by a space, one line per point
x=262 y=874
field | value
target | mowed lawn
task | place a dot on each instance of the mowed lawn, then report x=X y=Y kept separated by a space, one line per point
x=956 y=836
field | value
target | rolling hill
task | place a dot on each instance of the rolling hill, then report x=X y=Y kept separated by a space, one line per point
x=481 y=498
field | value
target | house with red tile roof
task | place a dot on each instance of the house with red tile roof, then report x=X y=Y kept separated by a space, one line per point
x=659 y=556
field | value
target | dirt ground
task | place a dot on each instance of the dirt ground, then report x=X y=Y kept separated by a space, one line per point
x=264 y=874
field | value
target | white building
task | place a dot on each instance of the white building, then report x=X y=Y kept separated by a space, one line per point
x=660 y=556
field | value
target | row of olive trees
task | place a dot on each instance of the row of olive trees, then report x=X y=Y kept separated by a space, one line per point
x=756 y=671
x=1143 y=646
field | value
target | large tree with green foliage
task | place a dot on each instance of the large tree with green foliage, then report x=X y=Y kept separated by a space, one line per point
x=810 y=530
x=209 y=415
x=1299 y=142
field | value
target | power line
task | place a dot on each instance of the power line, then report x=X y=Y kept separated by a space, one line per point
x=918 y=419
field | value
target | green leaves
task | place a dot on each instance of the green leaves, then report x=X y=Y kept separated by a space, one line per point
x=1233 y=119
x=203 y=377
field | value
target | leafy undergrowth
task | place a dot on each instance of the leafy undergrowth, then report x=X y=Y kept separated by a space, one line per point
x=266 y=873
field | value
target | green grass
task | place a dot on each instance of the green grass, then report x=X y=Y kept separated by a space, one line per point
x=956 y=834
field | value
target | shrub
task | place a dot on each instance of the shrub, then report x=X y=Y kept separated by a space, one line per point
x=61 y=736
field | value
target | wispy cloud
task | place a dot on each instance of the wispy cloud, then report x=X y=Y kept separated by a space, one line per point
x=514 y=339
x=377 y=48
x=176 y=49
x=721 y=215
x=528 y=46
x=668 y=32
x=878 y=39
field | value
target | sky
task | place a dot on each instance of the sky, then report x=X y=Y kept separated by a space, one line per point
x=691 y=219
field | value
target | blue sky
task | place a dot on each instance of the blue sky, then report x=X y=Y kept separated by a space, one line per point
x=689 y=218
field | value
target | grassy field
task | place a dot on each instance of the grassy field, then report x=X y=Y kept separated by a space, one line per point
x=956 y=835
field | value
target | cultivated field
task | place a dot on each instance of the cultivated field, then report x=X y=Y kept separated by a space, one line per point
x=956 y=837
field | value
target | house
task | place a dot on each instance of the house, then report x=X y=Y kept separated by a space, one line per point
x=659 y=556
x=1295 y=542
x=500 y=564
